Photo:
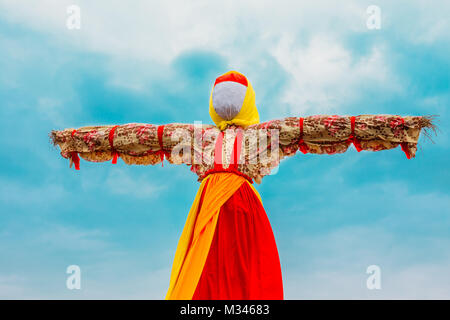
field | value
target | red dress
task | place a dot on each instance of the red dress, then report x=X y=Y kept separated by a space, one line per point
x=243 y=260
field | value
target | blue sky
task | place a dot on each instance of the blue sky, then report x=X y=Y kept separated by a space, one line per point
x=332 y=216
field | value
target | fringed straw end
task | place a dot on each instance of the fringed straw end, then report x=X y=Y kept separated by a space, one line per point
x=428 y=123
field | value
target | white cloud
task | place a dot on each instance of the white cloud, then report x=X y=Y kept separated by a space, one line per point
x=159 y=31
x=326 y=75
x=305 y=38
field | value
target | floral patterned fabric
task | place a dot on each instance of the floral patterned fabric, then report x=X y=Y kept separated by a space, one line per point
x=265 y=144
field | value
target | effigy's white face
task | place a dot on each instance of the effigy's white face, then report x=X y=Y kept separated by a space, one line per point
x=228 y=98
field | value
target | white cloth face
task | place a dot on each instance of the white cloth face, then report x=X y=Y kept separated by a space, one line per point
x=228 y=97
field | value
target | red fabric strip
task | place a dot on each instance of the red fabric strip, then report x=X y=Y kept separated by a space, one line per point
x=404 y=145
x=301 y=127
x=352 y=138
x=302 y=146
x=111 y=143
x=236 y=153
x=76 y=160
x=405 y=149
x=232 y=77
x=218 y=160
x=74 y=154
x=161 y=152
x=217 y=170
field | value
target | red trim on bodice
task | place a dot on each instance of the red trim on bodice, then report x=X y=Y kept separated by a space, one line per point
x=235 y=155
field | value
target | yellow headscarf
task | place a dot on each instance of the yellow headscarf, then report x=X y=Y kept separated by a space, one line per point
x=248 y=114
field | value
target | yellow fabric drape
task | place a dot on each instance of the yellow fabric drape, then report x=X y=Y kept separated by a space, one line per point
x=195 y=241
x=248 y=114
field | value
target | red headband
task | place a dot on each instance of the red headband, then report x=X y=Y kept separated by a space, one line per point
x=236 y=77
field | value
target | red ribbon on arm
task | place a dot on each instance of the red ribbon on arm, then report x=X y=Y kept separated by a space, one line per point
x=76 y=160
x=161 y=151
x=405 y=149
x=302 y=146
x=404 y=145
x=74 y=155
x=352 y=138
x=111 y=143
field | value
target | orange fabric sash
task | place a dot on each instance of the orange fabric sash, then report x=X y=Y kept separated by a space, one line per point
x=195 y=241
